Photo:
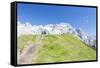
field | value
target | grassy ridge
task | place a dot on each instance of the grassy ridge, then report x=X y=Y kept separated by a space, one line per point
x=64 y=48
x=25 y=40
x=58 y=48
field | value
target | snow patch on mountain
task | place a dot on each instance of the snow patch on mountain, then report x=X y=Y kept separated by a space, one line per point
x=61 y=28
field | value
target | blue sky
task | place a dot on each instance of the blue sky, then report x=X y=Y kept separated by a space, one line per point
x=78 y=17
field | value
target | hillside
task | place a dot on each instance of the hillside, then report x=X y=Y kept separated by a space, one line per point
x=60 y=28
x=56 y=48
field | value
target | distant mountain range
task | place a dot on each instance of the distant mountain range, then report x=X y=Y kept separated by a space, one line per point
x=61 y=28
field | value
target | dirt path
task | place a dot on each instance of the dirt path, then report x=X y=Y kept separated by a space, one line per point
x=29 y=52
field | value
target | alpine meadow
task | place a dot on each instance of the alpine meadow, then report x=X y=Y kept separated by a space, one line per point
x=53 y=34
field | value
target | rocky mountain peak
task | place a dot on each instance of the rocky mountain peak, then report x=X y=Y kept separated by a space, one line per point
x=61 y=28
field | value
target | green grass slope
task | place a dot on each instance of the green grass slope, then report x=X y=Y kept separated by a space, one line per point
x=25 y=40
x=58 y=48
x=64 y=48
